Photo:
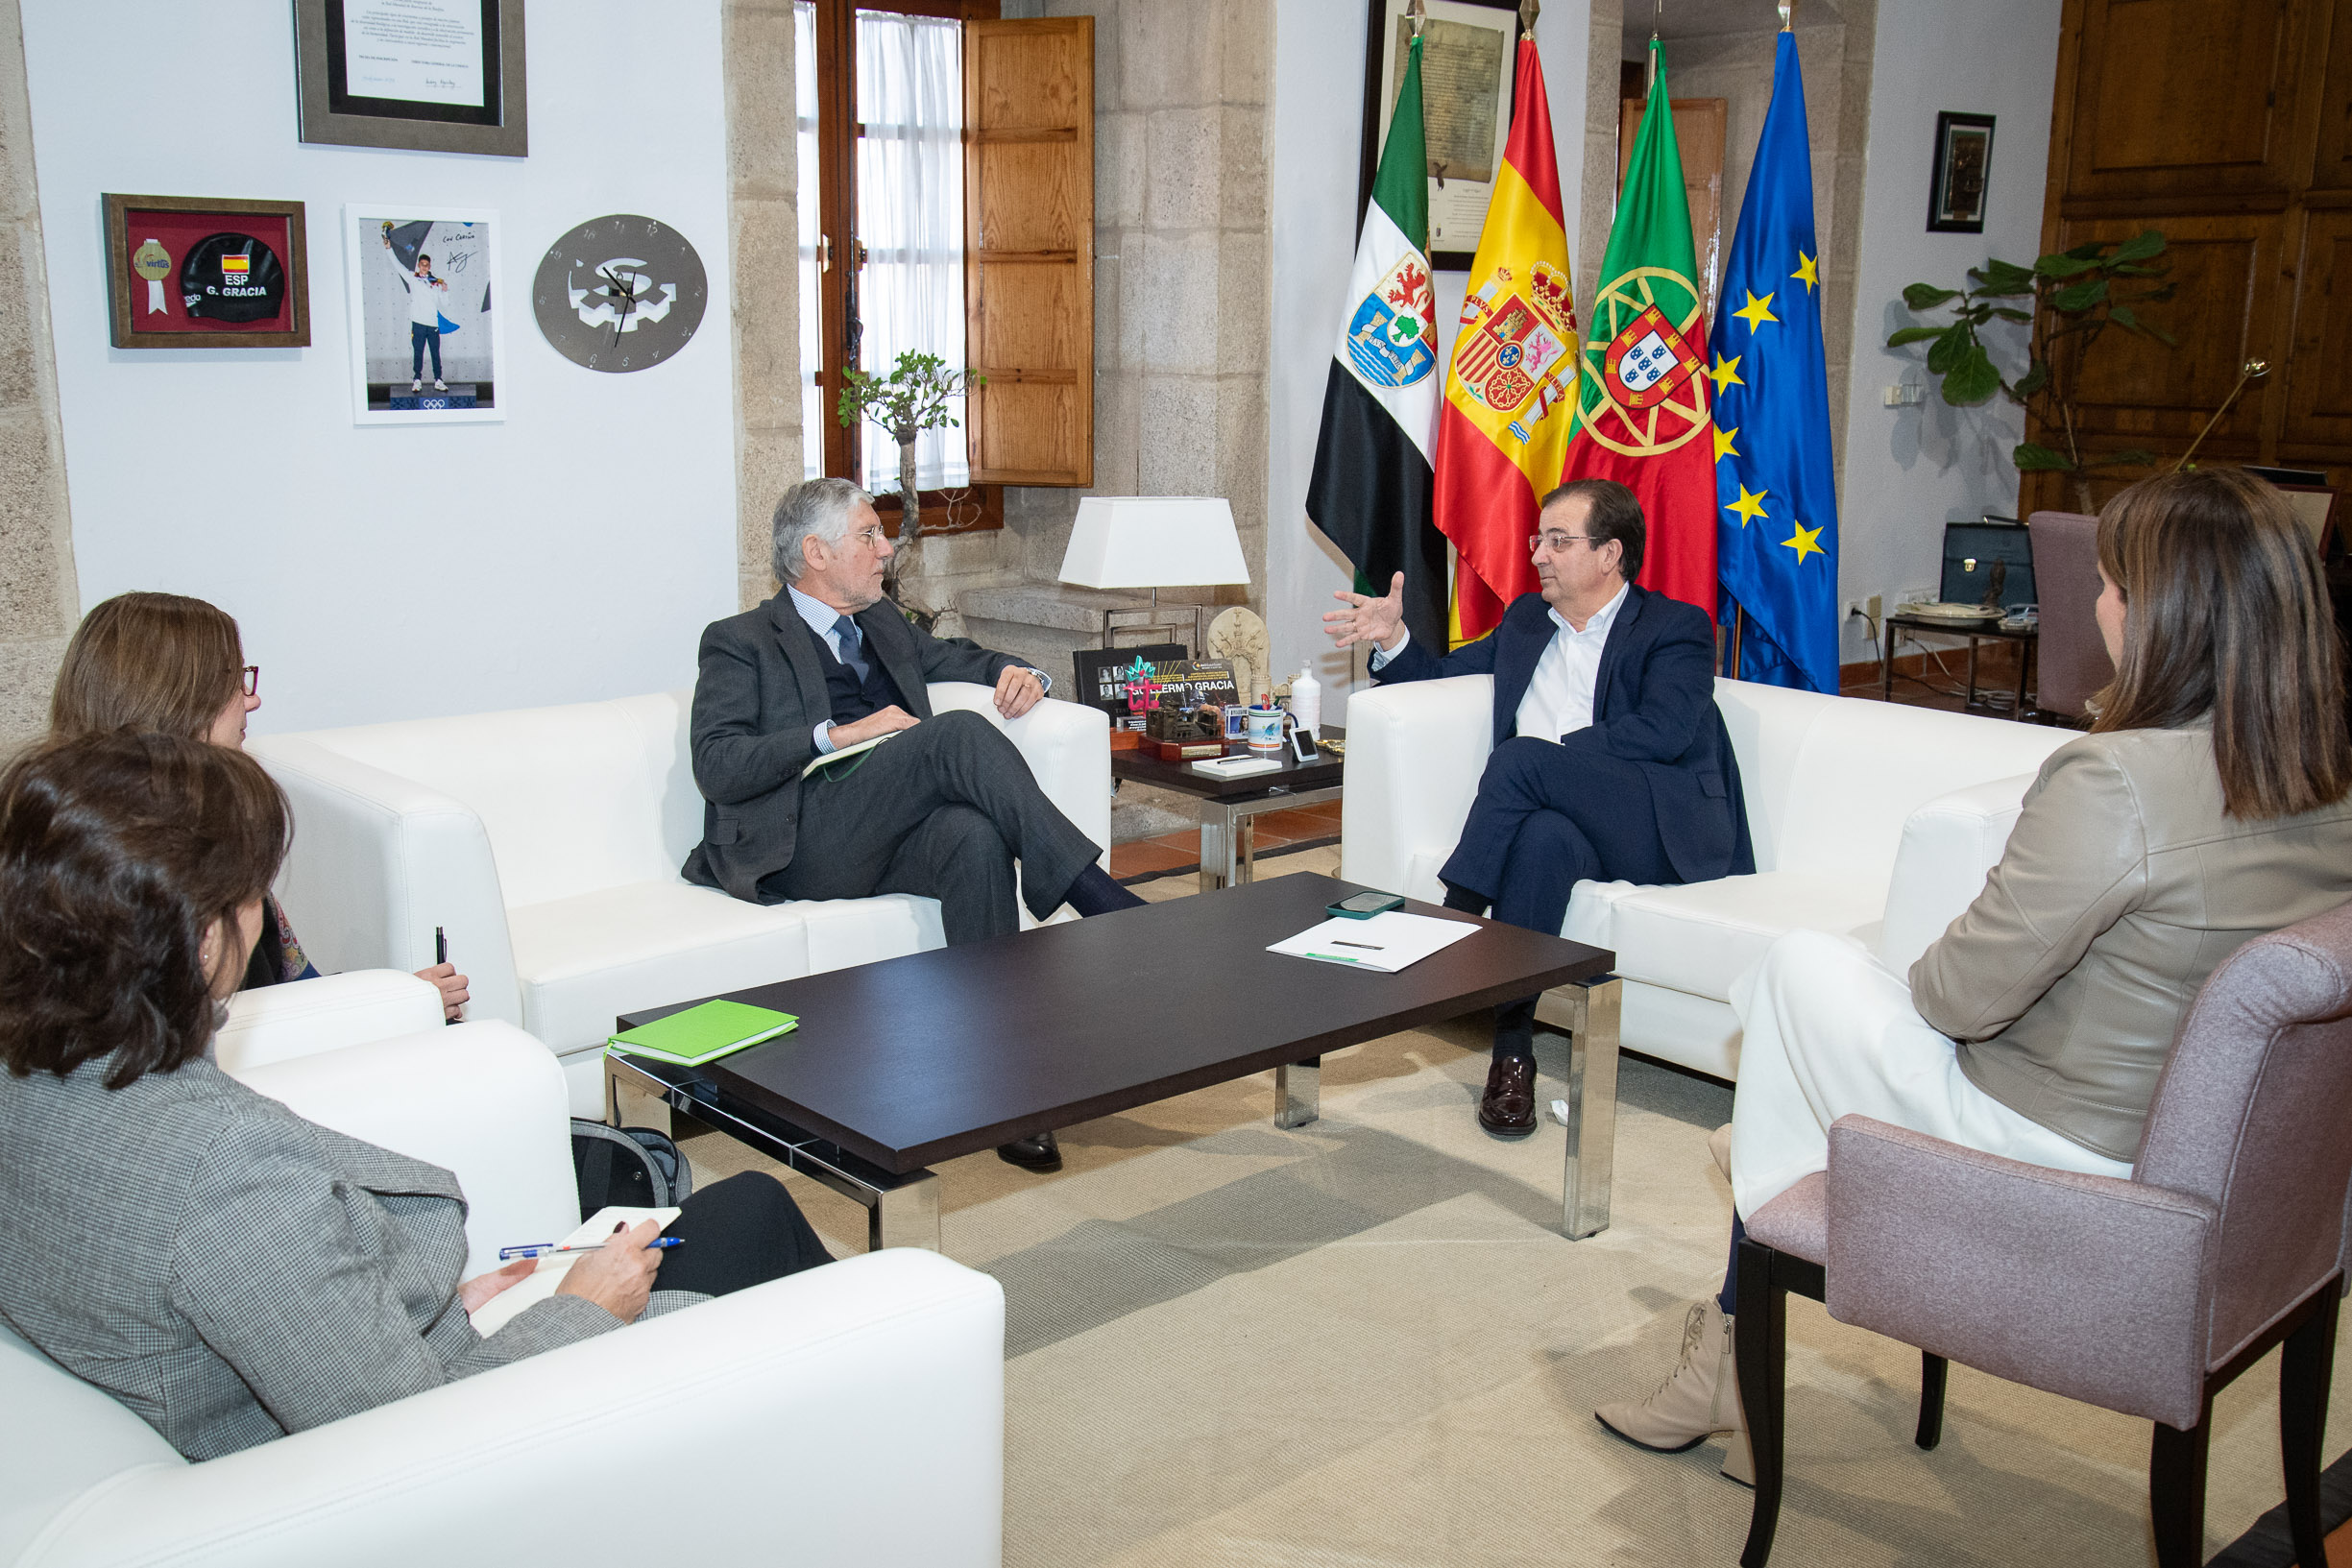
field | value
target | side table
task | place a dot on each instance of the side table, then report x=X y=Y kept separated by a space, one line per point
x=1228 y=841
x=2027 y=638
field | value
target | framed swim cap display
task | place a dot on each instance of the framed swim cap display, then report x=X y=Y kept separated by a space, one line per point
x=186 y=271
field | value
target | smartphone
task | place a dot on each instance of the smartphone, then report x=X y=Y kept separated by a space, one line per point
x=1304 y=747
x=1364 y=905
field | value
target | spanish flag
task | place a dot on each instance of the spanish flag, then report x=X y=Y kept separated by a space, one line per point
x=1504 y=428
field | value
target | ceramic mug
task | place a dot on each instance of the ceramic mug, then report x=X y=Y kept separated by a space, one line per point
x=1264 y=729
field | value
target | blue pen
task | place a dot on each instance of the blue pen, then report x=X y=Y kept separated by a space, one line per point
x=549 y=1249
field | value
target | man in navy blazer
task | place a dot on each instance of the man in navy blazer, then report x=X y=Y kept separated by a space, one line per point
x=1609 y=760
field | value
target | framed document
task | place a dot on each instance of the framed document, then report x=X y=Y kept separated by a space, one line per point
x=1963 y=156
x=188 y=272
x=435 y=76
x=1470 y=54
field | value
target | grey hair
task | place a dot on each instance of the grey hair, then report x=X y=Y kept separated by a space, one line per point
x=813 y=509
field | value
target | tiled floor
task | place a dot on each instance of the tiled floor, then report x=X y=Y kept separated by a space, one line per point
x=1175 y=852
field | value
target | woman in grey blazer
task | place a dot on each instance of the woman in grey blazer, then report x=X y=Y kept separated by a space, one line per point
x=221 y=1266
x=2211 y=802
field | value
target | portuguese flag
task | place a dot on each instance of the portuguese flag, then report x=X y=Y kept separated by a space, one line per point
x=1643 y=405
x=1504 y=428
x=1369 y=493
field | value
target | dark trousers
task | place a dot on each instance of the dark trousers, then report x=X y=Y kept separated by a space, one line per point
x=741 y=1232
x=1546 y=817
x=420 y=338
x=943 y=810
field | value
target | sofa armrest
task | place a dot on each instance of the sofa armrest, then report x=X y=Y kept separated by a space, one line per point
x=1415 y=754
x=484 y=1100
x=2091 y=1287
x=851 y=1413
x=1067 y=746
x=278 y=1022
x=1948 y=846
x=378 y=863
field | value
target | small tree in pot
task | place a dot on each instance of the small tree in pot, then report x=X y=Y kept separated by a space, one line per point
x=2078 y=294
x=912 y=399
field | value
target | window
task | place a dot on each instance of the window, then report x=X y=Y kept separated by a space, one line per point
x=891 y=259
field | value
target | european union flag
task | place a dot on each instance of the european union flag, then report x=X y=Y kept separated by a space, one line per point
x=1775 y=548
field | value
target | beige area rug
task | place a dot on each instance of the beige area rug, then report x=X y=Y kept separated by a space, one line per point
x=1365 y=1342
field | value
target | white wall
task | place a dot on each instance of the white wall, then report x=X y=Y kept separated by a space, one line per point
x=1910 y=470
x=572 y=552
x=1317 y=128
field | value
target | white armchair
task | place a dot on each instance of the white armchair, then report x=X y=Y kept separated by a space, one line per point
x=1871 y=821
x=771 y=1405
x=546 y=842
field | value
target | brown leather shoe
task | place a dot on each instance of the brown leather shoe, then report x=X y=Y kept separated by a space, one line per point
x=1508 y=1107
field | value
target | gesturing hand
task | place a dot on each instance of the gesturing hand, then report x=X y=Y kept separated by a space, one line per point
x=618 y=1278
x=1017 y=690
x=1368 y=620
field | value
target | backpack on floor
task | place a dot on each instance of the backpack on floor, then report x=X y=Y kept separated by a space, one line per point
x=633 y=1168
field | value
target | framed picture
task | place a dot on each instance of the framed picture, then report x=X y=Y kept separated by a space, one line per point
x=435 y=76
x=188 y=272
x=1963 y=157
x=426 y=343
x=1468 y=56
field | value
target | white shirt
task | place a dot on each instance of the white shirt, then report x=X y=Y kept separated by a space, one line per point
x=423 y=300
x=1559 y=698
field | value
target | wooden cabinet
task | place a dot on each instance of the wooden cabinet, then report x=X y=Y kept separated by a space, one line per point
x=2229 y=127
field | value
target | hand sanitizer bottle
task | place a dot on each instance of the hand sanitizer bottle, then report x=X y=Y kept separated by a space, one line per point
x=1307 y=698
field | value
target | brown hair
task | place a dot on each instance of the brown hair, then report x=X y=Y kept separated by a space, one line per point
x=1616 y=513
x=118 y=851
x=148 y=661
x=2229 y=618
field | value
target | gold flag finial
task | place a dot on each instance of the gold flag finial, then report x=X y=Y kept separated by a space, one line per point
x=1529 y=11
x=1787 y=12
x=1416 y=16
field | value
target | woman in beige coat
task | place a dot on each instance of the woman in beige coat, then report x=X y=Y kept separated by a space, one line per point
x=2208 y=805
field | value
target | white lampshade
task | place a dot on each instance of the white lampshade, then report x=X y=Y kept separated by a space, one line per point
x=1154 y=541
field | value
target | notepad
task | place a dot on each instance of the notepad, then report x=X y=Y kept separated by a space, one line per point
x=704 y=1033
x=843 y=753
x=1386 y=943
x=541 y=1283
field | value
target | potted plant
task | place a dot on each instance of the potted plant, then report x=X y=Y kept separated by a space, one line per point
x=2076 y=293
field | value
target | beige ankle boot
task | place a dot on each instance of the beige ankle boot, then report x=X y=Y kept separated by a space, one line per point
x=1700 y=1399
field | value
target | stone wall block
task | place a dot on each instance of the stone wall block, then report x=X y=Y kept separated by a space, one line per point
x=1245 y=302
x=768 y=464
x=23 y=278
x=1109 y=287
x=1177 y=303
x=762 y=105
x=1118 y=151
x=1178 y=417
x=1181 y=165
x=1241 y=448
x=1247 y=38
x=1117 y=434
x=1168 y=54
x=1242 y=168
x=766 y=247
x=37 y=598
x=28 y=671
x=1134 y=248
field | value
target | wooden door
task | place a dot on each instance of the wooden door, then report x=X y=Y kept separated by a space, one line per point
x=1699 y=134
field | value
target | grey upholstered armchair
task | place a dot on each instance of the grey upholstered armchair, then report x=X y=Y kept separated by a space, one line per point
x=2143 y=1296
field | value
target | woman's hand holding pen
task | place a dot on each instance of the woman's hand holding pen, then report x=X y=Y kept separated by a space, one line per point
x=618 y=1277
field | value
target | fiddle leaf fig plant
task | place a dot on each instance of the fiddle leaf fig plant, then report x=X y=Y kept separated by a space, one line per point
x=2075 y=294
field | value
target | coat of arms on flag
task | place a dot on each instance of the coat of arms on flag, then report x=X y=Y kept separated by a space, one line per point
x=1648 y=360
x=1515 y=340
x=1392 y=338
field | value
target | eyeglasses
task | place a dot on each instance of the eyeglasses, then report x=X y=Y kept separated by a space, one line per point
x=250 y=679
x=1556 y=541
x=870 y=538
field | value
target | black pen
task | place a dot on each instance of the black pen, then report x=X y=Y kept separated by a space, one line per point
x=441 y=955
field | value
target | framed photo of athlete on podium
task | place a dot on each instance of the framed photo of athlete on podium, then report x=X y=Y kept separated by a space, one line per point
x=427 y=341
x=195 y=271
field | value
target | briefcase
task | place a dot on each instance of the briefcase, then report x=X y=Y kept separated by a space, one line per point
x=1988 y=562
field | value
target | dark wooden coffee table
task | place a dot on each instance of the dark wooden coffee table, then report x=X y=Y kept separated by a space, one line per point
x=899 y=1065
x=1230 y=807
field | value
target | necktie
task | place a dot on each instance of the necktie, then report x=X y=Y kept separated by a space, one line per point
x=845 y=631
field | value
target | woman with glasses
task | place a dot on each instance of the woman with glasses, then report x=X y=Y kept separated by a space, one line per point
x=175 y=666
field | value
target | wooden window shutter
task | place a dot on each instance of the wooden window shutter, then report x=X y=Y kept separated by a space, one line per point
x=1028 y=249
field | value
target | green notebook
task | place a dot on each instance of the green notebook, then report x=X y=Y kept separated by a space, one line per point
x=704 y=1033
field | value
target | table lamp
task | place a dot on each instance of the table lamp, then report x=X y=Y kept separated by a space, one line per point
x=1153 y=542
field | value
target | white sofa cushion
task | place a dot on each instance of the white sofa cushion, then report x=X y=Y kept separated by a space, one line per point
x=1701 y=936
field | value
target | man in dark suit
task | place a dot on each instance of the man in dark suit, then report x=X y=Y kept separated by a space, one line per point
x=1609 y=760
x=942 y=808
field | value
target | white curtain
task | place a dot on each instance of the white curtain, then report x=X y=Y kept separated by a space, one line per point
x=909 y=218
x=814 y=416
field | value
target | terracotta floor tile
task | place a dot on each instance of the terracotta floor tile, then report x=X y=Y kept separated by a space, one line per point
x=1149 y=859
x=1188 y=838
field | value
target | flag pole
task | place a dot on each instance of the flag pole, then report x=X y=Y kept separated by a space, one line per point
x=1739 y=625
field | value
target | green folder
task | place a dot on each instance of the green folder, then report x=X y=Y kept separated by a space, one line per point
x=704 y=1033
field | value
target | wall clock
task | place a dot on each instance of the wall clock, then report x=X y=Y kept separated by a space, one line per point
x=619 y=292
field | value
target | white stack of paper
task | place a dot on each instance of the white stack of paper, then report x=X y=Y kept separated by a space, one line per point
x=1388 y=942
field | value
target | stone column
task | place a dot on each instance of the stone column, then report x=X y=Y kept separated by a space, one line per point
x=39 y=601
x=763 y=223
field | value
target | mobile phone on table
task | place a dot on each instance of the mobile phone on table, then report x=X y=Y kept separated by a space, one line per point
x=1364 y=905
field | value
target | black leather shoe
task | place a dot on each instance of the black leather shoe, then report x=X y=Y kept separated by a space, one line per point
x=1508 y=1107
x=1036 y=1152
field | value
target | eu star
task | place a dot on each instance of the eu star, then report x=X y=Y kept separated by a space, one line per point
x=1756 y=312
x=1726 y=374
x=1806 y=271
x=1750 y=506
x=1723 y=442
x=1806 y=540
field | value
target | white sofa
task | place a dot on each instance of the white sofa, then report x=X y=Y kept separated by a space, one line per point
x=1871 y=821
x=546 y=842
x=772 y=1403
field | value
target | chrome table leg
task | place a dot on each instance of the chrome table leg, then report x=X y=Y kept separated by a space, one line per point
x=1297 y=1092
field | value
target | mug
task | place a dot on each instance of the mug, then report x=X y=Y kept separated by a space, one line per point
x=1264 y=730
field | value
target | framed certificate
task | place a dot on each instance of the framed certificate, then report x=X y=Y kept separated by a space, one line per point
x=1469 y=56
x=436 y=76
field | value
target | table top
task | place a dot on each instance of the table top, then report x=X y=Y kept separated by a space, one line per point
x=1951 y=627
x=1291 y=779
x=914 y=1060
